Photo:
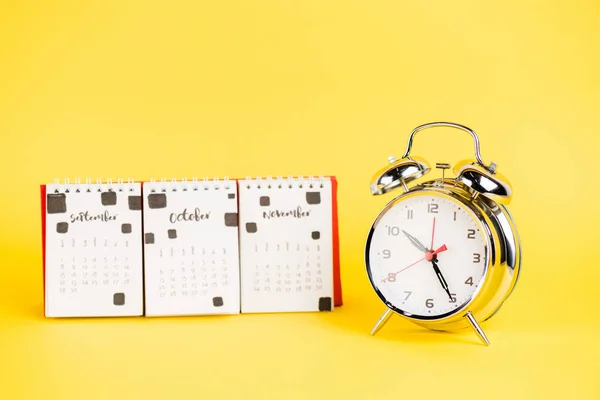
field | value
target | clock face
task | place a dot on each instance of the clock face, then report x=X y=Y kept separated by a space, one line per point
x=427 y=255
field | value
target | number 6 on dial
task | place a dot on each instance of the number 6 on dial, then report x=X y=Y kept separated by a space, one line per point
x=445 y=253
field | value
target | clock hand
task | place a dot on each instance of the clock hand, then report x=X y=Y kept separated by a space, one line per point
x=433 y=232
x=393 y=274
x=441 y=249
x=415 y=242
x=441 y=277
x=429 y=256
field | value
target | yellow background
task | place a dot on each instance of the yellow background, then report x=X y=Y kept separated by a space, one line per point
x=234 y=88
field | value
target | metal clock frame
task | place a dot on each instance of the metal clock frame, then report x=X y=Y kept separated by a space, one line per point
x=484 y=193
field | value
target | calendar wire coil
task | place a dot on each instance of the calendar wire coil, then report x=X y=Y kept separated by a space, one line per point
x=288 y=182
x=184 y=184
x=93 y=185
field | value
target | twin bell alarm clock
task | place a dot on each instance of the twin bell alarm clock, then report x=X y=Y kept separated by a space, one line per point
x=444 y=253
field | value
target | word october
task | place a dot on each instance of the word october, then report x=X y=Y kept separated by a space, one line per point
x=185 y=216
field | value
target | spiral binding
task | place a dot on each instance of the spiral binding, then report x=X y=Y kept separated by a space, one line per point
x=289 y=182
x=183 y=184
x=163 y=185
x=90 y=185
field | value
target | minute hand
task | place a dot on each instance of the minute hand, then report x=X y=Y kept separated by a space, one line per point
x=416 y=242
x=441 y=277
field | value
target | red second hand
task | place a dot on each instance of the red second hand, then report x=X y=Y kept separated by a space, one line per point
x=396 y=273
x=432 y=233
x=428 y=256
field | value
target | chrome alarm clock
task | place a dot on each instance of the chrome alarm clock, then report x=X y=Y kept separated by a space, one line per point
x=445 y=253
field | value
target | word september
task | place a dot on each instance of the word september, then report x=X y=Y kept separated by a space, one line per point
x=85 y=216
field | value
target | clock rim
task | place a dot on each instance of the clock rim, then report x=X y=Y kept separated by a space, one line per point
x=473 y=211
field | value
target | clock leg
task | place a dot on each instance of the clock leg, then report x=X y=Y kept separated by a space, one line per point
x=477 y=328
x=381 y=322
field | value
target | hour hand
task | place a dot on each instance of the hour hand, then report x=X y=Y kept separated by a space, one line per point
x=415 y=242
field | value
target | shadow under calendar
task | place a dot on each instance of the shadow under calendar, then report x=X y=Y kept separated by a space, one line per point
x=197 y=247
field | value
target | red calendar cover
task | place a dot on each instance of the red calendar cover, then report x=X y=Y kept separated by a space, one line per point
x=337 y=279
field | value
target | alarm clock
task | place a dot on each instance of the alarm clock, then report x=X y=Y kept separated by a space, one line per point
x=444 y=253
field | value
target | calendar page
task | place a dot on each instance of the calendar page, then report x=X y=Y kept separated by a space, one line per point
x=93 y=250
x=286 y=245
x=191 y=248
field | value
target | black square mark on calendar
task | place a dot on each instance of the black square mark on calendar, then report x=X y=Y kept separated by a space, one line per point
x=56 y=203
x=126 y=228
x=316 y=235
x=231 y=195
x=265 y=201
x=172 y=233
x=157 y=200
x=62 y=227
x=135 y=203
x=217 y=301
x=251 y=227
x=313 y=197
x=231 y=219
x=325 y=304
x=149 y=238
x=108 y=198
x=119 y=299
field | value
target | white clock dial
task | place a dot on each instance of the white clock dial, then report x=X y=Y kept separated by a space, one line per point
x=427 y=255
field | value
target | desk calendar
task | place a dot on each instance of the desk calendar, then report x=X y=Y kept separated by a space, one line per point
x=93 y=262
x=197 y=247
x=191 y=248
x=285 y=245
